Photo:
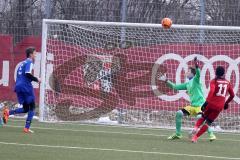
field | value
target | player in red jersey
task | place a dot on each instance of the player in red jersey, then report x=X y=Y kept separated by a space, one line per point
x=215 y=103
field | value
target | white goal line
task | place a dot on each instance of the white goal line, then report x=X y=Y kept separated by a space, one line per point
x=111 y=132
x=118 y=150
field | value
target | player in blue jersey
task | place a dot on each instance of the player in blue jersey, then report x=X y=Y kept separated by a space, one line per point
x=24 y=90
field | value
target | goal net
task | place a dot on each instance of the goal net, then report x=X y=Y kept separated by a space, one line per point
x=105 y=72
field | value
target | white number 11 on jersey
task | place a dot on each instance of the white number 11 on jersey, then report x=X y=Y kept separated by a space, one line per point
x=222 y=90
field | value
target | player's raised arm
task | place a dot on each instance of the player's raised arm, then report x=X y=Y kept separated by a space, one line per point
x=197 y=69
x=196 y=62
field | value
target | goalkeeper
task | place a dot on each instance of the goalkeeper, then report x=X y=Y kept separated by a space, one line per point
x=195 y=92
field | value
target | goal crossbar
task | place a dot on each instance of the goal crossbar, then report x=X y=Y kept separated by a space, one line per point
x=147 y=25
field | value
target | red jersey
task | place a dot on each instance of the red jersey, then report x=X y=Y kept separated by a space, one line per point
x=219 y=89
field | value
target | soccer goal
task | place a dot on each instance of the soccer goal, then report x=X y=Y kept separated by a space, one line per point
x=107 y=72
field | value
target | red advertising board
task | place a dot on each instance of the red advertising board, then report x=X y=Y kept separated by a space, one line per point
x=130 y=89
x=10 y=56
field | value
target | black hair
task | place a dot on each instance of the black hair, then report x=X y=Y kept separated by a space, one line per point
x=193 y=70
x=29 y=51
x=220 y=71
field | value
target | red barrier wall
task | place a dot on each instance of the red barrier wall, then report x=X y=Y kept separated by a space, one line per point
x=11 y=56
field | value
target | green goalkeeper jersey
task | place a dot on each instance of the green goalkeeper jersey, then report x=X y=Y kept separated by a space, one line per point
x=194 y=89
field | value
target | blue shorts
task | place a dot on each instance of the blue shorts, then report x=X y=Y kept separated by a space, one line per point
x=25 y=97
x=25 y=93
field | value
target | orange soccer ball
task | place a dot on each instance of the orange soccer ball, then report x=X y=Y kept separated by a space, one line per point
x=166 y=23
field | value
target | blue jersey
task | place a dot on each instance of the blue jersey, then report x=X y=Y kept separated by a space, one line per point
x=23 y=83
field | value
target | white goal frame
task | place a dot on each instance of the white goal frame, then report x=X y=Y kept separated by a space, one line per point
x=45 y=23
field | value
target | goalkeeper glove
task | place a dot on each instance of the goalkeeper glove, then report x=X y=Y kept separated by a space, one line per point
x=163 y=77
x=225 y=106
x=196 y=62
x=204 y=106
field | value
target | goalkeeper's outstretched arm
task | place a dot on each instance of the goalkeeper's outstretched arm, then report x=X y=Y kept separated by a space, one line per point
x=172 y=85
x=182 y=86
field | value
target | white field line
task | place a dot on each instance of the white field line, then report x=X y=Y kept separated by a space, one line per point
x=118 y=150
x=89 y=131
x=109 y=132
x=119 y=126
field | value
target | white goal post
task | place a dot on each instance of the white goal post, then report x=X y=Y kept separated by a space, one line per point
x=108 y=71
